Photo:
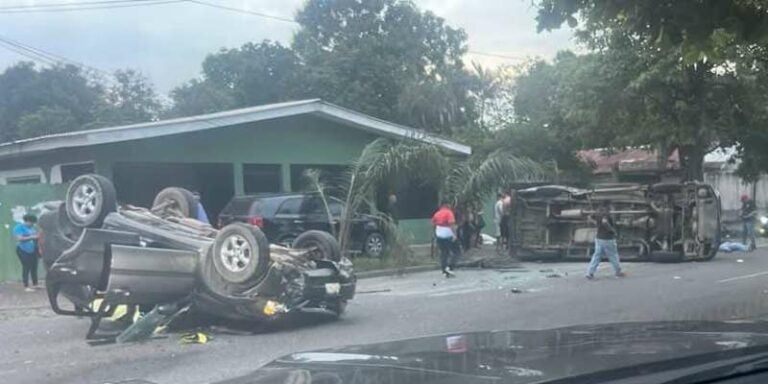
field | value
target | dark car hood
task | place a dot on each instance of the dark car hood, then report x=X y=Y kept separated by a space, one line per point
x=541 y=356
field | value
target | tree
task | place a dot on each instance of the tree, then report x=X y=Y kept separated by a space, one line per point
x=253 y=74
x=665 y=70
x=46 y=100
x=385 y=58
x=710 y=30
x=131 y=99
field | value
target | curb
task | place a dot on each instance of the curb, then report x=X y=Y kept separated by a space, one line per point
x=396 y=271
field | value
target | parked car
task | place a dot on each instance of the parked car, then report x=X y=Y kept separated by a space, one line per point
x=660 y=222
x=283 y=216
x=97 y=251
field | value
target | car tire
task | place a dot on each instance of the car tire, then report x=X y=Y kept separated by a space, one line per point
x=89 y=199
x=241 y=254
x=326 y=246
x=174 y=200
x=666 y=256
x=374 y=245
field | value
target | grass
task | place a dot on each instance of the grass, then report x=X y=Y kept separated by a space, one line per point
x=371 y=264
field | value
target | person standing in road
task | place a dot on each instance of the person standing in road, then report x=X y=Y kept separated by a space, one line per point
x=26 y=249
x=498 y=214
x=605 y=243
x=444 y=222
x=748 y=216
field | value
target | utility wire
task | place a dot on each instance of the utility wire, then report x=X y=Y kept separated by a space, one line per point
x=46 y=57
x=289 y=20
x=69 y=4
x=240 y=10
x=137 y=3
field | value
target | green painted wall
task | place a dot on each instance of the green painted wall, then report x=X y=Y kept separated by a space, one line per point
x=15 y=200
x=303 y=139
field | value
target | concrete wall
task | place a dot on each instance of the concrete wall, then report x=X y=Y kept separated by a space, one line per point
x=731 y=187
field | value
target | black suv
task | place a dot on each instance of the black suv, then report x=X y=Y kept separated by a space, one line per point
x=283 y=216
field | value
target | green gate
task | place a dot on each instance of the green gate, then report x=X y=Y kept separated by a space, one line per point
x=15 y=201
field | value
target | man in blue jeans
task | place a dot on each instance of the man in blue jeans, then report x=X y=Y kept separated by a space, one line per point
x=605 y=243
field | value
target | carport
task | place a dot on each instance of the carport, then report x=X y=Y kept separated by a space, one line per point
x=138 y=183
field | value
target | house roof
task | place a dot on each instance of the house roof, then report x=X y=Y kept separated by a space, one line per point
x=314 y=107
x=630 y=160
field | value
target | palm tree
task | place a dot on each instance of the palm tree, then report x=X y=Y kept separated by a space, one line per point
x=460 y=180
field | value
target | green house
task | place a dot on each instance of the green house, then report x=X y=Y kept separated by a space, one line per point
x=243 y=151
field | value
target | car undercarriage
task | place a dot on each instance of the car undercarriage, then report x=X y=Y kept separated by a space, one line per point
x=660 y=222
x=100 y=256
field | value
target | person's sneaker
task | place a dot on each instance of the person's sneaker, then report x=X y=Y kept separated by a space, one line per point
x=28 y=289
x=621 y=274
x=590 y=277
x=448 y=273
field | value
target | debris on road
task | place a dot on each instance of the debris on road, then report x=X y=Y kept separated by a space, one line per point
x=676 y=277
x=516 y=290
x=195 y=338
x=554 y=275
x=378 y=290
x=739 y=260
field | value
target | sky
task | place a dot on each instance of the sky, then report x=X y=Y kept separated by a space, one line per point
x=168 y=42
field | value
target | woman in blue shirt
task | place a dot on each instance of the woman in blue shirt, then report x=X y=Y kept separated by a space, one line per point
x=26 y=248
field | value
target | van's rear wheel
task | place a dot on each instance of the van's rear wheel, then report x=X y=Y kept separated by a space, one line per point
x=174 y=201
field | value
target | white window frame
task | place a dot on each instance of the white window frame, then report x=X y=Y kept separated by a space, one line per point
x=25 y=172
x=56 y=170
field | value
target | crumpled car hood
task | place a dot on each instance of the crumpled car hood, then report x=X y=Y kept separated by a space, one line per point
x=519 y=356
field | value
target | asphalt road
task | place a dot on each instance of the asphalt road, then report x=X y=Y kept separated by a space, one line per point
x=39 y=347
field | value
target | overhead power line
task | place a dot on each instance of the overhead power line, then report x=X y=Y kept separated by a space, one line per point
x=70 y=4
x=84 y=6
x=46 y=57
x=289 y=20
x=245 y=11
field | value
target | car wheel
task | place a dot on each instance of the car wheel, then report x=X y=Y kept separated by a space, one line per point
x=374 y=245
x=90 y=198
x=241 y=254
x=174 y=201
x=324 y=246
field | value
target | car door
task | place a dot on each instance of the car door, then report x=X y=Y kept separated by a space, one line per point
x=289 y=221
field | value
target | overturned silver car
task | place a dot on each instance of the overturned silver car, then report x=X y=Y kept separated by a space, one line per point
x=98 y=252
x=660 y=222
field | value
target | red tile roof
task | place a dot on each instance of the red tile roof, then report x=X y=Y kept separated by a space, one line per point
x=630 y=160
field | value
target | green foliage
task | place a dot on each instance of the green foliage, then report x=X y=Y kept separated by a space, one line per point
x=700 y=29
x=48 y=100
x=253 y=74
x=131 y=99
x=661 y=73
x=43 y=95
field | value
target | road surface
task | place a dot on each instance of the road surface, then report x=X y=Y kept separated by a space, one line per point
x=39 y=347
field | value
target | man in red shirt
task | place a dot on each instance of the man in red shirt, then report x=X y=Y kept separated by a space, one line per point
x=444 y=222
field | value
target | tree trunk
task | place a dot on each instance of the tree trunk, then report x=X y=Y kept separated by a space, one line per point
x=692 y=162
